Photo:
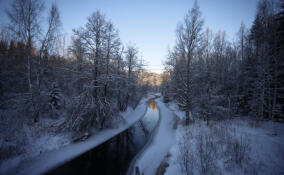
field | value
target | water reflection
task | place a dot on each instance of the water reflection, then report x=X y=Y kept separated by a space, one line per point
x=152 y=104
x=143 y=128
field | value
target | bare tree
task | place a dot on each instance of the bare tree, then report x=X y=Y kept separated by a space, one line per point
x=131 y=62
x=188 y=36
x=242 y=35
x=47 y=43
x=49 y=39
x=25 y=23
x=119 y=70
x=93 y=35
x=98 y=42
x=25 y=16
x=79 y=52
x=111 y=45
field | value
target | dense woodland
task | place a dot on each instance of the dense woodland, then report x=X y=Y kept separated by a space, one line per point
x=77 y=87
x=56 y=90
x=217 y=78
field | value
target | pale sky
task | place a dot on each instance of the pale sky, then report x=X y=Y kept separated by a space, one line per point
x=151 y=24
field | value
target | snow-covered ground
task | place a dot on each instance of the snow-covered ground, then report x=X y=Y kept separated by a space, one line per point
x=59 y=151
x=234 y=146
x=163 y=137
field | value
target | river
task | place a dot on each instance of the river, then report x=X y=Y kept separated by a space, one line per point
x=115 y=155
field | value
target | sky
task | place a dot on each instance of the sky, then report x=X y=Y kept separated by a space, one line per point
x=151 y=24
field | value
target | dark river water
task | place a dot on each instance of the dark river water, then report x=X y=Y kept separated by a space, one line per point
x=115 y=155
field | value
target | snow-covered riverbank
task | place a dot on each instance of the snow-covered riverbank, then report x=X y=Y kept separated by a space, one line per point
x=149 y=159
x=54 y=158
x=232 y=146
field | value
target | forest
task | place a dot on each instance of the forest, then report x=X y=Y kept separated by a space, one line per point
x=213 y=76
x=55 y=93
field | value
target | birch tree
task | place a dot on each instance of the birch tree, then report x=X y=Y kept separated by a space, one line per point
x=24 y=18
x=188 y=37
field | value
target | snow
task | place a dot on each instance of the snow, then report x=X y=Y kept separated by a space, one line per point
x=51 y=159
x=264 y=154
x=265 y=141
x=163 y=137
x=175 y=109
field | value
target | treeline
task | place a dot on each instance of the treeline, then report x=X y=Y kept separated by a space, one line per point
x=216 y=78
x=86 y=88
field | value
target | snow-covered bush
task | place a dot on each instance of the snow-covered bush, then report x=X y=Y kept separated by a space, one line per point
x=87 y=112
x=203 y=143
x=186 y=157
x=206 y=153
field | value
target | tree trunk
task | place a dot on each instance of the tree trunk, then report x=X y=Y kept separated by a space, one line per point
x=187 y=118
